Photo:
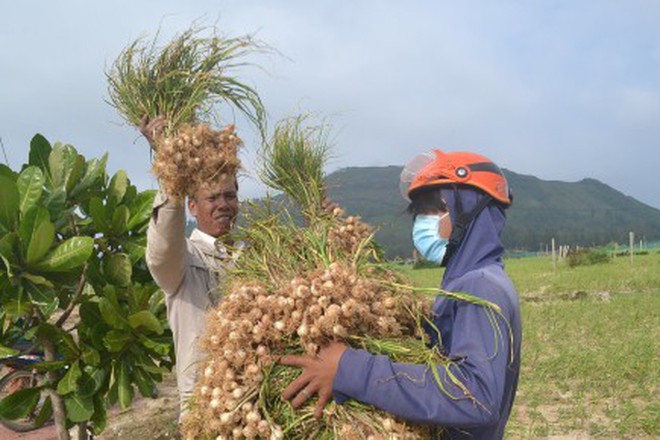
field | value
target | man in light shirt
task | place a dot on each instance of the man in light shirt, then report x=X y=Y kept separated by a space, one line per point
x=190 y=270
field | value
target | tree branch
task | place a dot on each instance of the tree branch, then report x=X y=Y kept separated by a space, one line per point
x=74 y=301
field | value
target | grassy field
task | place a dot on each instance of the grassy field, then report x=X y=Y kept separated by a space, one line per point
x=590 y=354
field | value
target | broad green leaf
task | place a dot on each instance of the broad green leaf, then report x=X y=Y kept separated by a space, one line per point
x=148 y=365
x=118 y=185
x=30 y=185
x=14 y=301
x=113 y=391
x=7 y=172
x=50 y=366
x=116 y=340
x=78 y=408
x=6 y=351
x=39 y=151
x=70 y=254
x=146 y=320
x=136 y=249
x=118 y=269
x=61 y=161
x=16 y=307
x=29 y=222
x=36 y=233
x=157 y=347
x=50 y=307
x=7 y=245
x=140 y=296
x=155 y=369
x=157 y=302
x=46 y=330
x=91 y=381
x=120 y=219
x=74 y=175
x=66 y=345
x=39 y=294
x=94 y=170
x=91 y=356
x=98 y=213
x=37 y=279
x=67 y=384
x=9 y=204
x=55 y=202
x=97 y=336
x=144 y=382
x=19 y=404
x=100 y=418
x=110 y=314
x=89 y=313
x=125 y=388
x=5 y=288
x=45 y=413
x=131 y=193
x=141 y=209
x=41 y=242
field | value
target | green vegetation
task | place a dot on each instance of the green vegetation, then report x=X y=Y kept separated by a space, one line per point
x=184 y=79
x=74 y=283
x=586 y=257
x=294 y=159
x=590 y=354
x=590 y=361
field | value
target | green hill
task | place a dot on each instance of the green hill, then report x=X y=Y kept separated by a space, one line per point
x=583 y=213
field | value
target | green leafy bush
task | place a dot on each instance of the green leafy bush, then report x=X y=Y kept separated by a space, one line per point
x=586 y=257
x=73 y=281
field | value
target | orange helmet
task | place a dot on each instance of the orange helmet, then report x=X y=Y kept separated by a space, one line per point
x=437 y=168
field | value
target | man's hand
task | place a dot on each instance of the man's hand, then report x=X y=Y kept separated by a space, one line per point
x=151 y=129
x=317 y=376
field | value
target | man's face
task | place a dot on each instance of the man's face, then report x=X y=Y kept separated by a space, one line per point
x=215 y=207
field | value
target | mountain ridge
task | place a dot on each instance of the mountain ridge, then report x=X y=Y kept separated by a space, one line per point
x=583 y=213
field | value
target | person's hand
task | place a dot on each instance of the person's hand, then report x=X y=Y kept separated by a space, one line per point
x=152 y=128
x=317 y=376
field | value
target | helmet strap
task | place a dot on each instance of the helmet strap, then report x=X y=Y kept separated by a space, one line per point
x=461 y=223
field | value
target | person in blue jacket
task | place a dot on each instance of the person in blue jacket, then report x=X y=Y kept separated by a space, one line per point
x=458 y=201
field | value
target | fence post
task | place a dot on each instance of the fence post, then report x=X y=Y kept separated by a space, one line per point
x=554 y=257
x=631 y=236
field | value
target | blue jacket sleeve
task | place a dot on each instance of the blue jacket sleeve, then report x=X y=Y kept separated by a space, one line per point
x=480 y=355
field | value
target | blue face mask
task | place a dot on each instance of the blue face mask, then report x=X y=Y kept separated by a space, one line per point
x=426 y=237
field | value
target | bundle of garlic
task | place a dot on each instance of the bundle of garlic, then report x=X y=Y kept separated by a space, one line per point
x=194 y=155
x=186 y=80
x=298 y=286
x=294 y=290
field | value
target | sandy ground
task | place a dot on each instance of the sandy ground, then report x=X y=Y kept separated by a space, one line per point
x=146 y=419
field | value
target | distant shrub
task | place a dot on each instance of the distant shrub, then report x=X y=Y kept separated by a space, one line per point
x=424 y=264
x=627 y=253
x=586 y=257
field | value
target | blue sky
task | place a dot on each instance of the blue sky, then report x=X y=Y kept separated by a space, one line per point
x=559 y=89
